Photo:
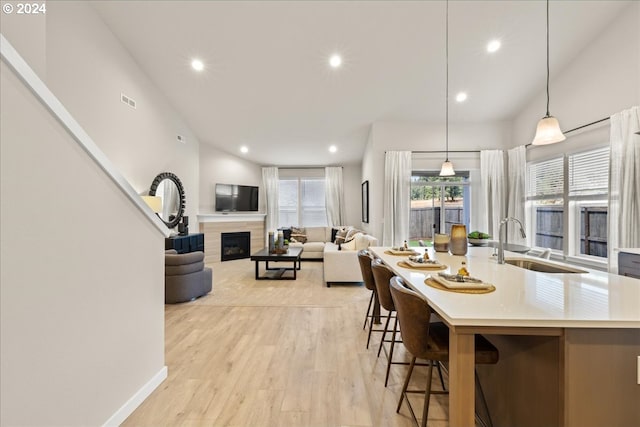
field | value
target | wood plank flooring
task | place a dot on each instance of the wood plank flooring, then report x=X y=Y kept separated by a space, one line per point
x=277 y=353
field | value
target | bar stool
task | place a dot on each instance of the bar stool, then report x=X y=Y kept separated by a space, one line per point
x=382 y=275
x=426 y=340
x=365 y=258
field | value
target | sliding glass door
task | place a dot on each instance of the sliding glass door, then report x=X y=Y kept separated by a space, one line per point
x=437 y=203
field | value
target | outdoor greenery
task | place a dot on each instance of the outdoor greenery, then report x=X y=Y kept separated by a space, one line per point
x=423 y=188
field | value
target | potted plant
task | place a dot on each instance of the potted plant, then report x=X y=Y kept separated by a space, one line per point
x=478 y=238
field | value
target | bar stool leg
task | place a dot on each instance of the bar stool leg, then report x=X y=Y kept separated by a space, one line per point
x=384 y=333
x=406 y=383
x=393 y=342
x=368 y=311
x=427 y=396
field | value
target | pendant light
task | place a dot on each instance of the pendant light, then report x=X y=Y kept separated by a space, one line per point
x=447 y=166
x=548 y=130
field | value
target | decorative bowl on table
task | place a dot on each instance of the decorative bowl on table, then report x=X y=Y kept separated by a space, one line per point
x=478 y=242
x=478 y=238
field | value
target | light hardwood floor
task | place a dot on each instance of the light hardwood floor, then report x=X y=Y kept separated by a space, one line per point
x=277 y=353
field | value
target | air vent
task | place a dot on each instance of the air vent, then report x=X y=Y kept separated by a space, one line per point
x=130 y=102
x=182 y=139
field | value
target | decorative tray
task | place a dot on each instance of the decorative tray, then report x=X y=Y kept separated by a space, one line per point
x=455 y=281
x=419 y=262
x=398 y=251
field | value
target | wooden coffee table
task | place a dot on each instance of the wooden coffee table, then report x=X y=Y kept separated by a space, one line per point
x=292 y=255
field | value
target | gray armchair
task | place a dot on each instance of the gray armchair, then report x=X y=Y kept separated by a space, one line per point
x=185 y=276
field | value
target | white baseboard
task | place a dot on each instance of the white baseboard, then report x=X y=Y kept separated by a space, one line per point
x=137 y=399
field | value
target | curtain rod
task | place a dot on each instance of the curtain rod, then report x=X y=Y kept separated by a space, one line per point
x=442 y=151
x=579 y=127
x=588 y=124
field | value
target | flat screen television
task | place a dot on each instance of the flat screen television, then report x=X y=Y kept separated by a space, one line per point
x=236 y=198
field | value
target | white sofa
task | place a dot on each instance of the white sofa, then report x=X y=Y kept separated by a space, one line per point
x=340 y=261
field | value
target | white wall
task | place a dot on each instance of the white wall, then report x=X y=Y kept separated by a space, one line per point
x=87 y=68
x=81 y=301
x=82 y=287
x=602 y=80
x=387 y=136
x=351 y=180
x=216 y=166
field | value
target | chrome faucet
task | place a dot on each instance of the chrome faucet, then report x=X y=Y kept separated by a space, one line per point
x=501 y=238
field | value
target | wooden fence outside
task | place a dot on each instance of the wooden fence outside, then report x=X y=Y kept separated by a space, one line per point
x=422 y=221
x=593 y=229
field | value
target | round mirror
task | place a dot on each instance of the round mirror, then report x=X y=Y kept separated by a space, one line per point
x=169 y=188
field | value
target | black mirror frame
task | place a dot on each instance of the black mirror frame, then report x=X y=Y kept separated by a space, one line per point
x=181 y=206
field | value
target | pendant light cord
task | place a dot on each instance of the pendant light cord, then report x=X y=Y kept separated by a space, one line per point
x=548 y=58
x=447 y=84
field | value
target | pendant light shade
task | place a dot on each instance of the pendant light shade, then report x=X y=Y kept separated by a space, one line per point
x=447 y=166
x=447 y=169
x=548 y=130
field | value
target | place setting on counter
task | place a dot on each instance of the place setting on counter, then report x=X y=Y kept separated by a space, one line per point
x=404 y=250
x=461 y=282
x=422 y=262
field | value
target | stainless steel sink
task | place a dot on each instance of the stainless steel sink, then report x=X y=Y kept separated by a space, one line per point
x=541 y=266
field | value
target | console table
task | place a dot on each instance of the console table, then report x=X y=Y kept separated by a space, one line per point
x=182 y=244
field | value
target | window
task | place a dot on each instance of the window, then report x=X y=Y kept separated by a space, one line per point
x=301 y=202
x=567 y=203
x=545 y=190
x=588 y=206
x=431 y=195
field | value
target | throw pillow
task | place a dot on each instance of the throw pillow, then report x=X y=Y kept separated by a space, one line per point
x=302 y=238
x=334 y=231
x=297 y=230
x=286 y=233
x=349 y=245
x=340 y=236
x=352 y=232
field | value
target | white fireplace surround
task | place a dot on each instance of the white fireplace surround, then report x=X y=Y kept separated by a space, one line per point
x=213 y=225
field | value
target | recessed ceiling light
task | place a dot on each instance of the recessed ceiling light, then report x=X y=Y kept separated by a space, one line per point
x=461 y=97
x=244 y=149
x=333 y=149
x=493 y=46
x=335 y=61
x=197 y=65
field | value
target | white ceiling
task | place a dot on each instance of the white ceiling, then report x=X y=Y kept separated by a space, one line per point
x=267 y=83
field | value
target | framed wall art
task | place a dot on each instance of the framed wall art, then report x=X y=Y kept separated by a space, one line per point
x=365 y=202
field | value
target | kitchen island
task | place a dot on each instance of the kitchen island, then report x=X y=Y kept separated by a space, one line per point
x=569 y=342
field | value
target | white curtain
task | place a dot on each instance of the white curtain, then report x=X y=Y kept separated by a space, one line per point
x=478 y=220
x=334 y=195
x=397 y=198
x=624 y=184
x=515 y=205
x=493 y=189
x=270 y=182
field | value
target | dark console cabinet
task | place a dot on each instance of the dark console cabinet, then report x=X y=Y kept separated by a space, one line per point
x=183 y=244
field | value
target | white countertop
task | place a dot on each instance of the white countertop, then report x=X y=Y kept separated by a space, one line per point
x=524 y=298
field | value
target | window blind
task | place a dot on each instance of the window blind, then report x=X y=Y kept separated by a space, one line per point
x=589 y=172
x=545 y=178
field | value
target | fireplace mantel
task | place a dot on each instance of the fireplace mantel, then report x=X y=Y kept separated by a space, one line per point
x=231 y=217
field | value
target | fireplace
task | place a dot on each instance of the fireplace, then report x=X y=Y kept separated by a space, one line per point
x=235 y=245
